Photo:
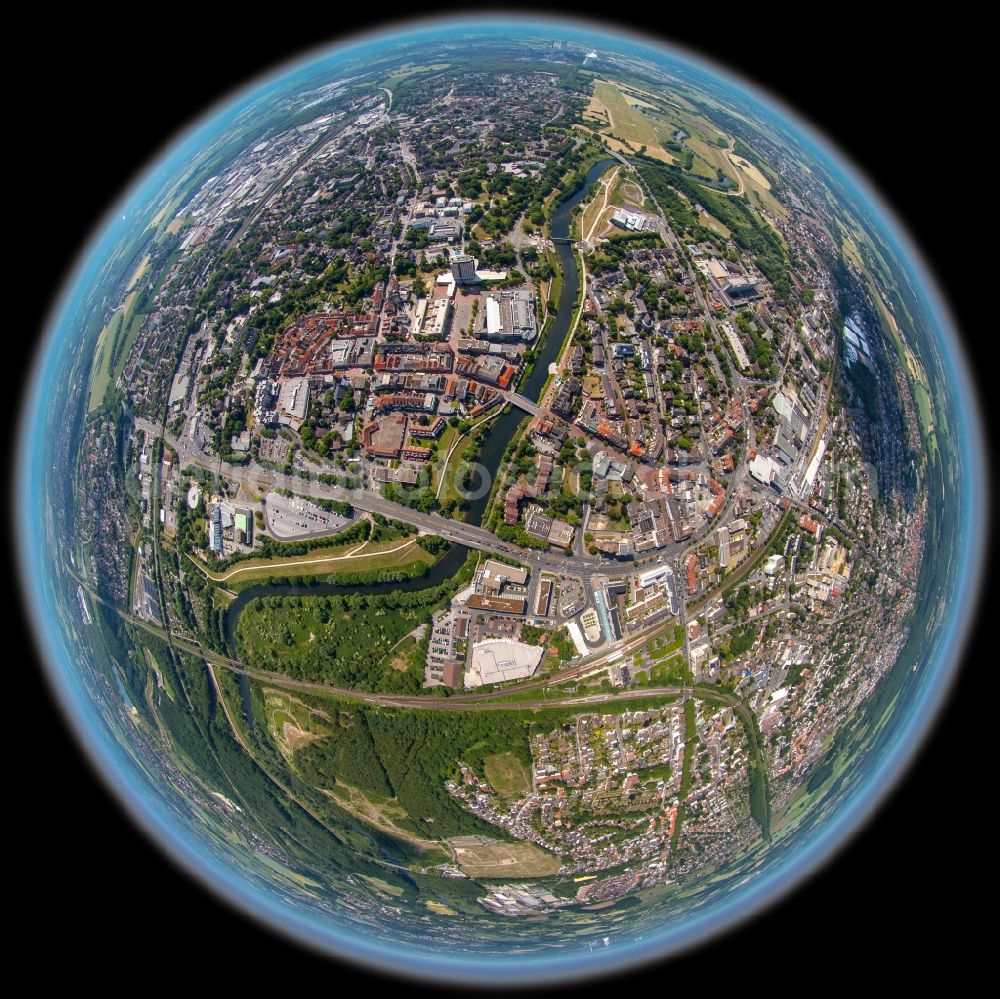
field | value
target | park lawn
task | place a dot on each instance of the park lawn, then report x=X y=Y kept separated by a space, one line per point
x=449 y=490
x=403 y=656
x=295 y=627
x=672 y=670
x=444 y=443
x=711 y=222
x=665 y=644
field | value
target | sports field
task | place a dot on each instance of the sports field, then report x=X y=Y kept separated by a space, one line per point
x=506 y=775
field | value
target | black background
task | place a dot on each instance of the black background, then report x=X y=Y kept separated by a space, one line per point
x=101 y=99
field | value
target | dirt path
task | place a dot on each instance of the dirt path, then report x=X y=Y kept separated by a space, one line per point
x=607 y=182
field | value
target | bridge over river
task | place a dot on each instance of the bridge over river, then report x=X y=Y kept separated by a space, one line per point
x=523 y=402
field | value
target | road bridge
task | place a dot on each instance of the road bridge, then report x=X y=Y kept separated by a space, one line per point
x=523 y=402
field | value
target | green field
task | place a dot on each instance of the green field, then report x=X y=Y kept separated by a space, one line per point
x=506 y=775
x=628 y=122
x=408 y=70
x=103 y=361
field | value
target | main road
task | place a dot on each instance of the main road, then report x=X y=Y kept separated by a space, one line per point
x=456 y=531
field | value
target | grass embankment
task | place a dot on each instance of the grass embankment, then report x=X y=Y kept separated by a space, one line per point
x=690 y=742
x=343 y=559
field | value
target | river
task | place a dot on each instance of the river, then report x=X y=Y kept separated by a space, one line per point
x=502 y=429
x=498 y=435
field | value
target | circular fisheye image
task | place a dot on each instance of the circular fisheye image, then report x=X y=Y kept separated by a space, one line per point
x=498 y=500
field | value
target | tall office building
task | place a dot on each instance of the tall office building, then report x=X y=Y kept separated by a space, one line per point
x=463 y=269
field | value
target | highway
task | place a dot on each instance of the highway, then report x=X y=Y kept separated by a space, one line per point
x=262 y=480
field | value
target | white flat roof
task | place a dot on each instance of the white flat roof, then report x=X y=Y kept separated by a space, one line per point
x=493 y=325
x=577 y=635
x=498 y=659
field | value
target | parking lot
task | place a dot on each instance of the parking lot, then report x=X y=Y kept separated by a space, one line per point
x=292 y=517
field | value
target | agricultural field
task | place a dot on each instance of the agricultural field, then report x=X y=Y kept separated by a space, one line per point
x=627 y=120
x=504 y=860
x=752 y=173
x=103 y=361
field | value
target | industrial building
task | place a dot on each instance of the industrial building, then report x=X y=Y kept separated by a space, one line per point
x=631 y=221
x=498 y=660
